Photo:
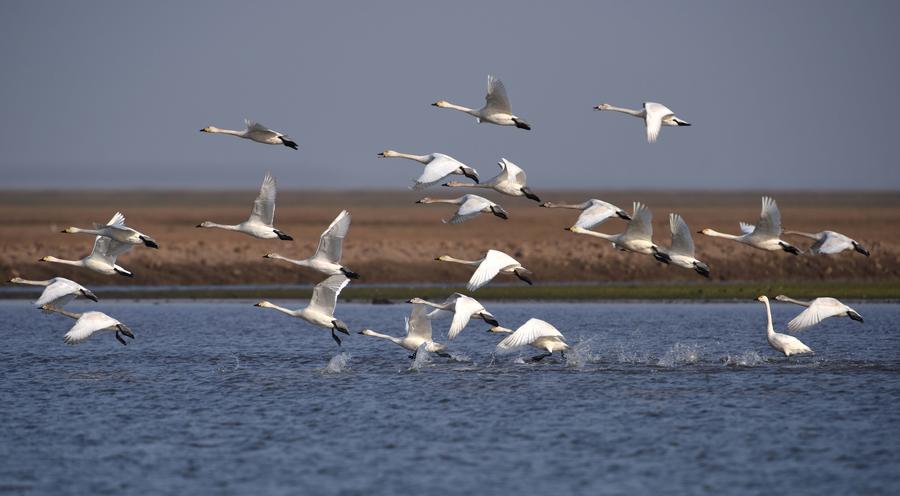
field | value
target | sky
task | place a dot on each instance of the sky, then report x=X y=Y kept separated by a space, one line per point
x=782 y=95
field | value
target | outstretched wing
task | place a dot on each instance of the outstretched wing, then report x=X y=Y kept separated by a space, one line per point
x=641 y=224
x=769 y=224
x=819 y=310
x=117 y=220
x=682 y=244
x=264 y=205
x=598 y=212
x=513 y=172
x=528 y=333
x=747 y=228
x=463 y=310
x=324 y=297
x=109 y=249
x=654 y=113
x=496 y=99
x=469 y=208
x=830 y=244
x=88 y=324
x=332 y=240
x=58 y=293
x=436 y=170
x=418 y=324
x=489 y=267
x=258 y=129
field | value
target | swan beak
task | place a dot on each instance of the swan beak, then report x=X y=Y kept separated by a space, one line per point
x=360 y=332
x=380 y=155
x=199 y=225
x=204 y=130
x=437 y=258
x=419 y=201
x=435 y=104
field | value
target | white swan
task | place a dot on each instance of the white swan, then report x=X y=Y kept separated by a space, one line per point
x=496 y=110
x=469 y=207
x=765 y=235
x=463 y=308
x=830 y=242
x=262 y=216
x=535 y=333
x=102 y=258
x=818 y=310
x=681 y=252
x=320 y=310
x=789 y=345
x=637 y=236
x=255 y=132
x=418 y=333
x=655 y=116
x=117 y=230
x=327 y=258
x=87 y=323
x=57 y=291
x=494 y=262
x=510 y=181
x=437 y=167
x=594 y=212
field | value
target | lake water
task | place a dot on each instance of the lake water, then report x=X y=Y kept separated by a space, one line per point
x=225 y=398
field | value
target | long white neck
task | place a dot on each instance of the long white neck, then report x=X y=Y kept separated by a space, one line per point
x=717 y=234
x=75 y=230
x=458 y=184
x=19 y=280
x=804 y=234
x=609 y=237
x=770 y=331
x=459 y=261
x=501 y=330
x=580 y=206
x=77 y=263
x=636 y=113
x=369 y=332
x=434 y=305
x=418 y=158
x=216 y=130
x=796 y=302
x=454 y=201
x=223 y=226
x=461 y=109
x=71 y=315
x=302 y=262
x=292 y=313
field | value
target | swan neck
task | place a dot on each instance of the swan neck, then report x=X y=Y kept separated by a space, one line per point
x=374 y=334
x=232 y=132
x=461 y=109
x=717 y=234
x=460 y=261
x=75 y=230
x=31 y=283
x=71 y=315
x=770 y=331
x=77 y=263
x=607 y=237
x=226 y=227
x=459 y=184
x=636 y=113
x=580 y=206
x=288 y=311
x=418 y=158
x=797 y=302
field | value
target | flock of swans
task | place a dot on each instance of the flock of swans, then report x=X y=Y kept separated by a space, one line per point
x=115 y=238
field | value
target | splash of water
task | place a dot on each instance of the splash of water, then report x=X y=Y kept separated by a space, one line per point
x=745 y=359
x=338 y=364
x=422 y=359
x=680 y=354
x=580 y=355
x=630 y=355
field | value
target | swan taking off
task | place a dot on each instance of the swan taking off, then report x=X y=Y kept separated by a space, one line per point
x=255 y=132
x=830 y=242
x=594 y=212
x=637 y=236
x=437 y=167
x=494 y=262
x=765 y=235
x=87 y=323
x=818 y=310
x=789 y=345
x=655 y=116
x=117 y=230
x=418 y=333
x=681 y=253
x=496 y=110
x=535 y=333
x=259 y=225
x=469 y=207
x=320 y=310
x=327 y=258
x=463 y=309
x=103 y=256
x=510 y=181
x=57 y=291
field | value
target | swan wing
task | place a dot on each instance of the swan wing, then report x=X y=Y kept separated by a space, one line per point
x=418 y=324
x=436 y=170
x=58 y=293
x=324 y=297
x=528 y=333
x=117 y=220
x=598 y=212
x=513 y=172
x=258 y=130
x=641 y=224
x=473 y=206
x=463 y=310
x=817 y=311
x=769 y=224
x=682 y=243
x=747 y=228
x=332 y=239
x=489 y=267
x=109 y=249
x=496 y=99
x=264 y=206
x=831 y=244
x=653 y=118
x=88 y=324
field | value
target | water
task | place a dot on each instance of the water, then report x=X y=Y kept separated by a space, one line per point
x=225 y=398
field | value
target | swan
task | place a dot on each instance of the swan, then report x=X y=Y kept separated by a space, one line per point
x=764 y=235
x=117 y=230
x=829 y=242
x=593 y=212
x=418 y=333
x=496 y=110
x=818 y=310
x=494 y=262
x=259 y=225
x=789 y=345
x=320 y=310
x=87 y=323
x=510 y=181
x=57 y=291
x=437 y=167
x=327 y=258
x=255 y=132
x=655 y=116
x=535 y=333
x=463 y=309
x=102 y=258
x=469 y=207
x=681 y=252
x=637 y=236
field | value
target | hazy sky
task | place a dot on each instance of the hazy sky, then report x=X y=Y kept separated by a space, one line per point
x=788 y=95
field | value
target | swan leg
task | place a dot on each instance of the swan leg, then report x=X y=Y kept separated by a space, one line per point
x=563 y=354
x=119 y=338
x=335 y=338
x=538 y=358
x=414 y=355
x=524 y=277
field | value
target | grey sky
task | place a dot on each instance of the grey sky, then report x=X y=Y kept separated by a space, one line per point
x=787 y=95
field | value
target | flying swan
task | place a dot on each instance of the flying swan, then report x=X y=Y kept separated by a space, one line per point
x=655 y=116
x=469 y=207
x=494 y=262
x=87 y=323
x=765 y=235
x=830 y=242
x=437 y=167
x=637 y=237
x=259 y=225
x=57 y=291
x=818 y=310
x=103 y=256
x=320 y=310
x=510 y=181
x=681 y=252
x=594 y=212
x=117 y=230
x=496 y=110
x=327 y=258
x=418 y=333
x=463 y=308
x=255 y=132
x=789 y=345
x=535 y=333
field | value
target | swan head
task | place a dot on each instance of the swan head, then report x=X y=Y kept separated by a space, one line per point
x=499 y=330
x=70 y=230
x=387 y=154
x=366 y=332
x=706 y=231
x=209 y=129
x=781 y=298
x=444 y=258
x=441 y=103
x=603 y=106
x=269 y=255
x=205 y=223
x=264 y=304
x=762 y=298
x=417 y=300
x=425 y=200
x=546 y=204
x=48 y=259
x=16 y=280
x=576 y=229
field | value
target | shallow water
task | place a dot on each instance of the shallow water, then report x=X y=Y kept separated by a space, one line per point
x=225 y=398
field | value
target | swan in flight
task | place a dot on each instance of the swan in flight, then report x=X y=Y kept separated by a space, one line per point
x=463 y=308
x=789 y=345
x=829 y=242
x=637 y=236
x=103 y=256
x=494 y=262
x=655 y=116
x=57 y=291
x=535 y=333
x=681 y=253
x=327 y=258
x=87 y=323
x=117 y=230
x=594 y=212
x=765 y=235
x=510 y=181
x=259 y=225
x=496 y=110
x=818 y=310
x=320 y=310
x=469 y=207
x=437 y=167
x=418 y=333
x=255 y=132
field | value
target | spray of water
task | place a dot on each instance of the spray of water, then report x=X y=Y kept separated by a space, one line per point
x=338 y=364
x=745 y=359
x=422 y=359
x=580 y=355
x=680 y=354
